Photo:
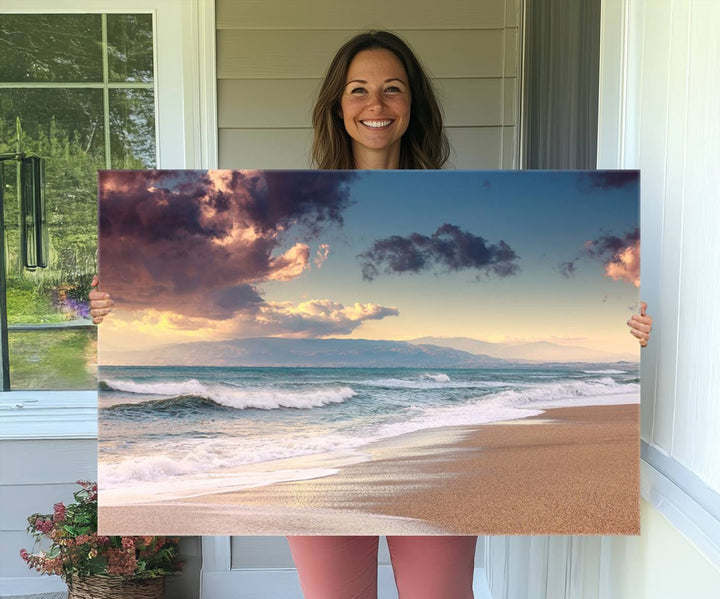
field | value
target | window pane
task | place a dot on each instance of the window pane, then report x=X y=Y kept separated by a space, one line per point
x=53 y=118
x=57 y=359
x=132 y=128
x=65 y=127
x=130 y=47
x=50 y=48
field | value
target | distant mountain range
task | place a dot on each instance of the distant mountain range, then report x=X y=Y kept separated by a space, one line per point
x=537 y=351
x=272 y=351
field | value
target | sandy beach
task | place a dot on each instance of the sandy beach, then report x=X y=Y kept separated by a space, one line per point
x=569 y=470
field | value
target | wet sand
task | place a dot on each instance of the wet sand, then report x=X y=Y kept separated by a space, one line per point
x=568 y=471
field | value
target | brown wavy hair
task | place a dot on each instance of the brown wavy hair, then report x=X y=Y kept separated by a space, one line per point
x=423 y=146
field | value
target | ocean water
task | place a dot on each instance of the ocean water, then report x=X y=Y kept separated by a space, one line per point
x=173 y=432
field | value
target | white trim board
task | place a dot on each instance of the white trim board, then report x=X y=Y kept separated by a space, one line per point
x=694 y=515
x=48 y=415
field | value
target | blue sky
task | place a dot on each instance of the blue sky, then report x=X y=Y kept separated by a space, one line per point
x=546 y=217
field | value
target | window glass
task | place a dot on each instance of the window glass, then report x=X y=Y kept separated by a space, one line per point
x=37 y=48
x=129 y=37
x=132 y=128
x=79 y=117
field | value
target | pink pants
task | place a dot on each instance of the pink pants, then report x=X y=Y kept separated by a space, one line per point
x=346 y=567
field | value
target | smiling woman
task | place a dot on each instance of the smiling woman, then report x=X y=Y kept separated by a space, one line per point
x=377 y=96
x=375 y=108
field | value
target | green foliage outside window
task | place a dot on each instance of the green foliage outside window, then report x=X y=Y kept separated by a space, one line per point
x=64 y=86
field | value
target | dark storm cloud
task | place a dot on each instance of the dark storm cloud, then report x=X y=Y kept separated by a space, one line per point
x=313 y=198
x=198 y=242
x=449 y=247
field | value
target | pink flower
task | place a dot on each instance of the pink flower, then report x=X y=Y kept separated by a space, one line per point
x=44 y=526
x=24 y=555
x=121 y=562
x=128 y=543
x=59 y=509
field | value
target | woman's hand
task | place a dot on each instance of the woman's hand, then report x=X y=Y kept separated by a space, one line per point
x=641 y=325
x=100 y=303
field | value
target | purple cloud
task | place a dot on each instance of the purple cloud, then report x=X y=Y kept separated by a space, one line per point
x=449 y=247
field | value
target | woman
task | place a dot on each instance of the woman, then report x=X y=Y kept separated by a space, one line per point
x=377 y=110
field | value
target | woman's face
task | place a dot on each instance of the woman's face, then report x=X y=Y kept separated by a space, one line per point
x=375 y=103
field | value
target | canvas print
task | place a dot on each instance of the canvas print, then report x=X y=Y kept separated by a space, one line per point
x=369 y=352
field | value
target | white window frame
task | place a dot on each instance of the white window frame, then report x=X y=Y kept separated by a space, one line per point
x=673 y=489
x=186 y=132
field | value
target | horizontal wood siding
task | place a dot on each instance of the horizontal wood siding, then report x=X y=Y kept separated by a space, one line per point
x=331 y=14
x=287 y=103
x=271 y=58
x=270 y=54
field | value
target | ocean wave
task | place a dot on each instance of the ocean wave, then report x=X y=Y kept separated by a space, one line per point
x=187 y=387
x=561 y=390
x=439 y=377
x=262 y=398
x=608 y=371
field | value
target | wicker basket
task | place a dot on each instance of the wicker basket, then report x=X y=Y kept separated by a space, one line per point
x=116 y=587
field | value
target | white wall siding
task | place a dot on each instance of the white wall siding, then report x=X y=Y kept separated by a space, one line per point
x=660 y=84
x=672 y=133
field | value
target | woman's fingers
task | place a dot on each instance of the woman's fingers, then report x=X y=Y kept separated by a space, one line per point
x=641 y=325
x=100 y=302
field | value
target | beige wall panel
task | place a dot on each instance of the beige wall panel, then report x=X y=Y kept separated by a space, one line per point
x=265 y=148
x=471 y=102
x=281 y=54
x=52 y=461
x=472 y=148
x=277 y=103
x=510 y=109
x=352 y=14
x=263 y=103
x=512 y=13
x=475 y=147
x=512 y=52
x=510 y=145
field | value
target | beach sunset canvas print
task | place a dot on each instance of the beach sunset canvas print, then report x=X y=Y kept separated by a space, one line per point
x=369 y=352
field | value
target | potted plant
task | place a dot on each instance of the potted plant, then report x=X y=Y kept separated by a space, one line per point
x=96 y=566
